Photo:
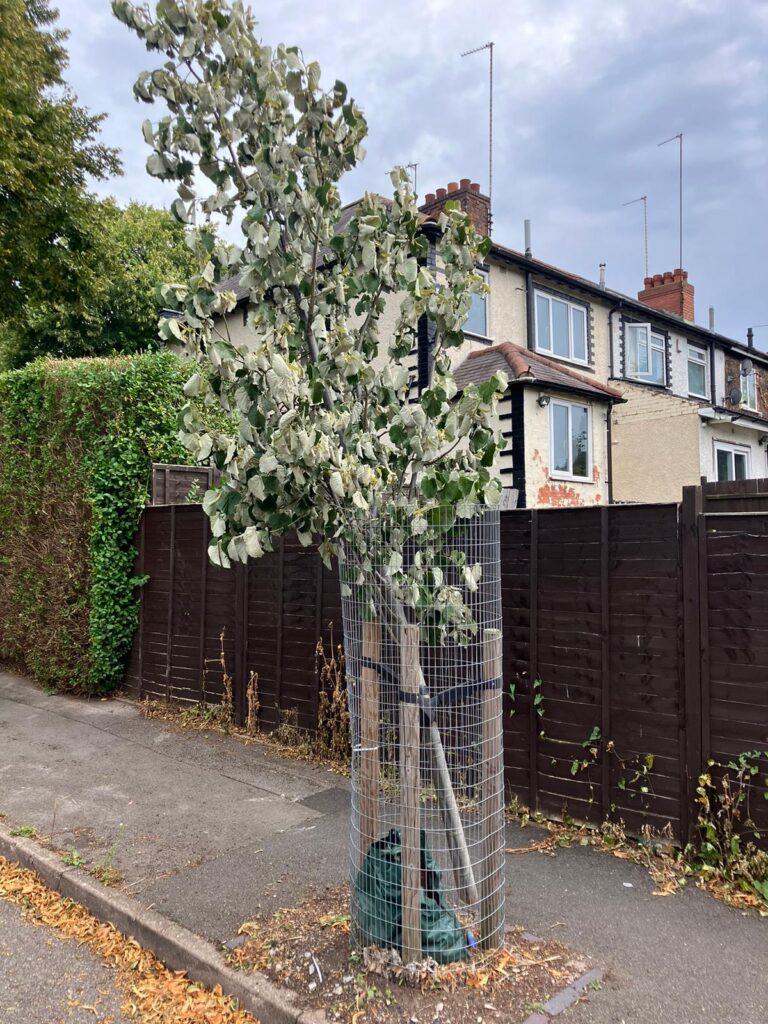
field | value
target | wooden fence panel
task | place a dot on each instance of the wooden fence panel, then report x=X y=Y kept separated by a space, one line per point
x=735 y=610
x=638 y=632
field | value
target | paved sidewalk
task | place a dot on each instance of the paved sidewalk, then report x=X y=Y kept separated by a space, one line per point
x=211 y=832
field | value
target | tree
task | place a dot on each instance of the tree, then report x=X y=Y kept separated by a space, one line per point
x=49 y=150
x=321 y=432
x=112 y=303
x=328 y=432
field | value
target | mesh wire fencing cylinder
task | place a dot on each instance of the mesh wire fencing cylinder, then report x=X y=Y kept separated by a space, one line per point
x=422 y=637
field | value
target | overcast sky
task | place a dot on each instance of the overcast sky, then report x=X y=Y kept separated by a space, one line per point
x=584 y=90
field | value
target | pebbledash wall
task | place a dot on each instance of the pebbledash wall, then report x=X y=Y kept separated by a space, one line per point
x=635 y=629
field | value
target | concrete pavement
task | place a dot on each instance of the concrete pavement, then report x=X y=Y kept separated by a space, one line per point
x=211 y=832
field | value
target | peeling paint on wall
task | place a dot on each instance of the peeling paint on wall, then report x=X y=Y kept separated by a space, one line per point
x=559 y=495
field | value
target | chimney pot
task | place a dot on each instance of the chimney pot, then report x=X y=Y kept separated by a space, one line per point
x=472 y=201
x=670 y=292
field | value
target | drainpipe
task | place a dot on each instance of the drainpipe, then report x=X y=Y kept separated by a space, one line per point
x=712 y=385
x=529 y=311
x=610 y=452
x=611 y=311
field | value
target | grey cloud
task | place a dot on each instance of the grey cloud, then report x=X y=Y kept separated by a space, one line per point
x=584 y=91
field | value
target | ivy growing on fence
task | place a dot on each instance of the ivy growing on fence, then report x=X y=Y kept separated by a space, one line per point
x=77 y=443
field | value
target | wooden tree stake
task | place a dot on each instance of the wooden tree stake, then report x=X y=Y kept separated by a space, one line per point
x=410 y=786
x=369 y=740
x=492 y=799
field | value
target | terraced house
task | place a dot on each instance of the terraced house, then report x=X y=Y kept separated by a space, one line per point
x=610 y=398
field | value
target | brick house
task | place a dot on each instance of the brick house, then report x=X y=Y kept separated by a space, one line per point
x=611 y=398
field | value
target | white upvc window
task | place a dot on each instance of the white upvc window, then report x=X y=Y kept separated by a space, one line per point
x=645 y=354
x=732 y=461
x=477 y=321
x=570 y=441
x=749 y=390
x=697 y=371
x=561 y=328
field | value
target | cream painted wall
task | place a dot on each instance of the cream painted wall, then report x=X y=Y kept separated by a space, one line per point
x=655 y=439
x=541 y=488
x=711 y=431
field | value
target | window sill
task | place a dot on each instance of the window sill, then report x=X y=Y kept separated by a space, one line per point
x=586 y=367
x=486 y=340
x=553 y=475
x=697 y=398
x=647 y=383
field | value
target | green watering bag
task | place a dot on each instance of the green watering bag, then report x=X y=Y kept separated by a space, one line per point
x=378 y=899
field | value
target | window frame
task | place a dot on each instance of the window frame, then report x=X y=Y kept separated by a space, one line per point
x=572 y=304
x=559 y=474
x=744 y=394
x=703 y=352
x=485 y=274
x=733 y=450
x=661 y=336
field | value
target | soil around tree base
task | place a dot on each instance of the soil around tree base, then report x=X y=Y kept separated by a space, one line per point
x=306 y=950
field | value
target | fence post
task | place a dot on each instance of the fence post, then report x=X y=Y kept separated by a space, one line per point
x=689 y=526
x=605 y=661
x=533 y=658
x=169 y=607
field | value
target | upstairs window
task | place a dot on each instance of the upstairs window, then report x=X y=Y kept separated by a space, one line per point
x=561 y=328
x=477 y=321
x=731 y=461
x=645 y=354
x=569 y=440
x=749 y=391
x=697 y=371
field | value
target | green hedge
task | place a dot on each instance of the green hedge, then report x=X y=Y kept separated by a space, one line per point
x=77 y=443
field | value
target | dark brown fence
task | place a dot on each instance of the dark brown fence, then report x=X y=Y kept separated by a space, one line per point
x=635 y=643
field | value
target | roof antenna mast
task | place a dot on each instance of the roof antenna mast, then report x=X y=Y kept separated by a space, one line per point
x=644 y=201
x=479 y=49
x=679 y=137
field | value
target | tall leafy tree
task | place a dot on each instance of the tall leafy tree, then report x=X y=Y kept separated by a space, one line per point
x=329 y=429
x=112 y=304
x=49 y=150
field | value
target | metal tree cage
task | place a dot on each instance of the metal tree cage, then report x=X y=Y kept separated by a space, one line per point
x=427 y=843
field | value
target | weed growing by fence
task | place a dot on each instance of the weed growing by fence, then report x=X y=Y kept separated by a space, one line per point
x=727 y=854
x=77 y=442
x=333 y=706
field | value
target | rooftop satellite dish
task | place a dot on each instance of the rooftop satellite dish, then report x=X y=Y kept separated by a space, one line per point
x=734 y=396
x=746 y=367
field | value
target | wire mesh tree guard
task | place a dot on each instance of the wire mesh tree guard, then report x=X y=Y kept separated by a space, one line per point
x=421 y=596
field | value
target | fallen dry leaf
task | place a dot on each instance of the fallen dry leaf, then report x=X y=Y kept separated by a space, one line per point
x=153 y=994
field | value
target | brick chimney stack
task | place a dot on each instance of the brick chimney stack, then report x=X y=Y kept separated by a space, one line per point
x=469 y=197
x=670 y=293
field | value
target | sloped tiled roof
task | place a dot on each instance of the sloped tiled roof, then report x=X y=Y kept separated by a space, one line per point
x=527 y=367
